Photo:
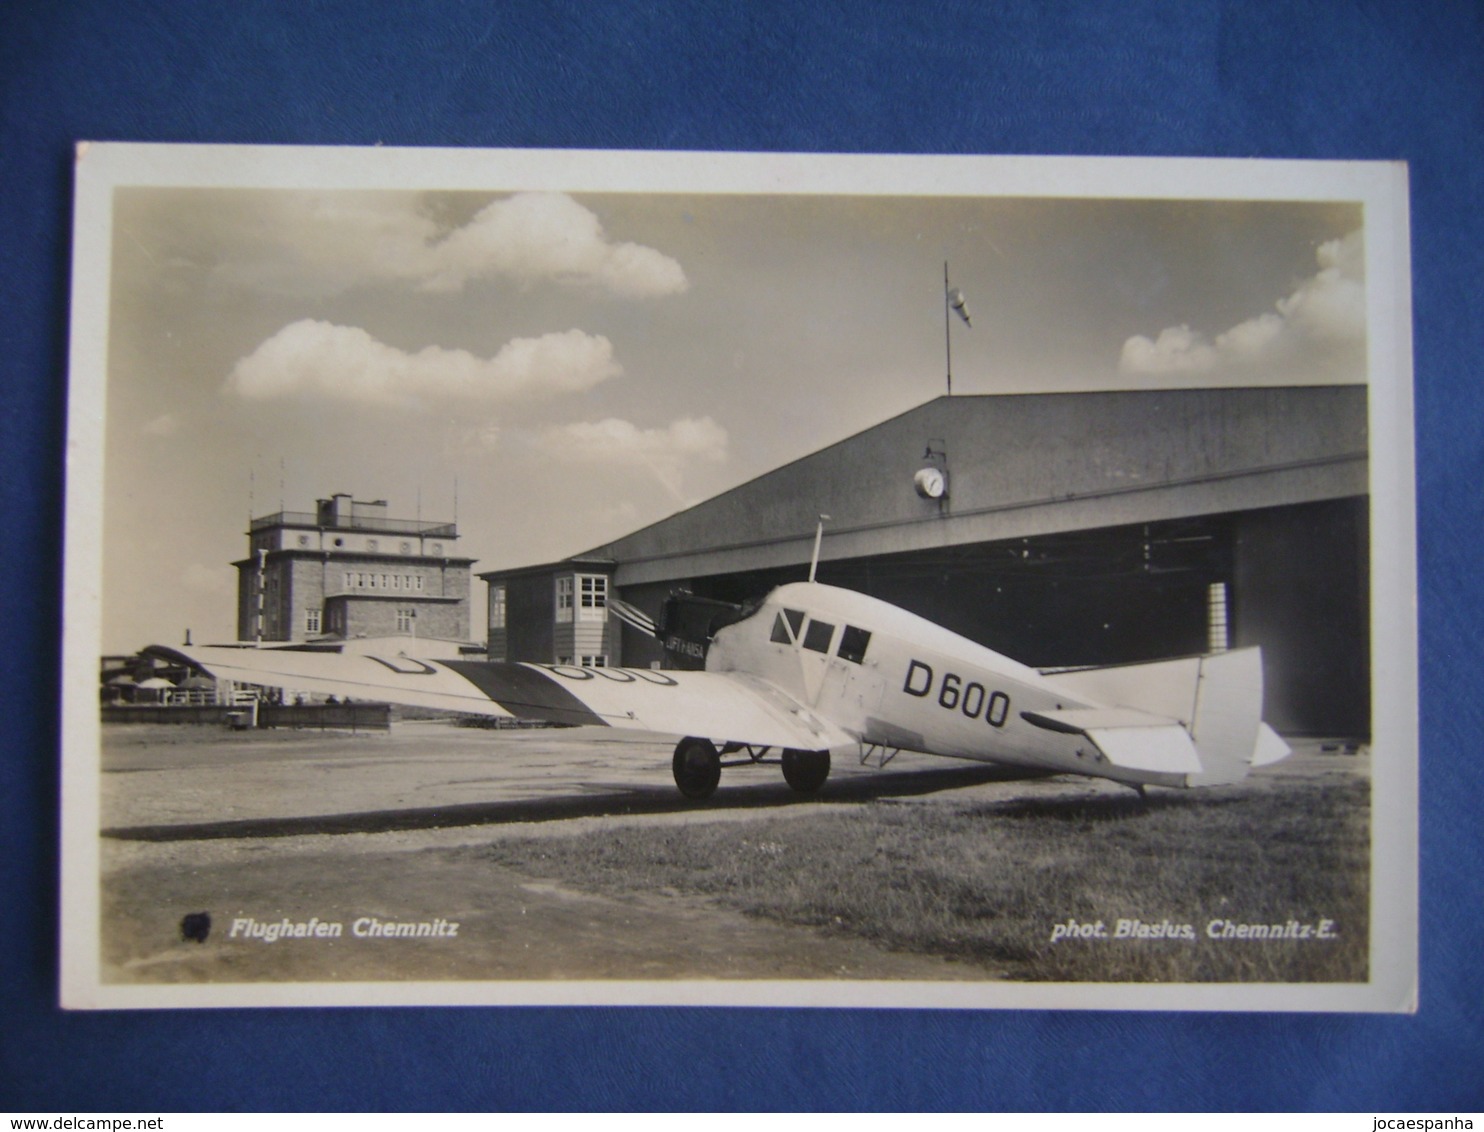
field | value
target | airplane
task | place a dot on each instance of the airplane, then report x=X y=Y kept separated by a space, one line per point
x=814 y=668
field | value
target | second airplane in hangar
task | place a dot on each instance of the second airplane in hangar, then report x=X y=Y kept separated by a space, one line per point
x=813 y=669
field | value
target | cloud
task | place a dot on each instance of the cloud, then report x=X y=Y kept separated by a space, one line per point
x=1178 y=349
x=326 y=243
x=539 y=236
x=1331 y=305
x=1326 y=311
x=618 y=443
x=345 y=363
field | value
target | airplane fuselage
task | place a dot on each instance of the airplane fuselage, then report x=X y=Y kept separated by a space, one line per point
x=898 y=681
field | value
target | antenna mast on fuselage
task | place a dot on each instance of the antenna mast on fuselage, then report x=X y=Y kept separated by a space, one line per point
x=818 y=538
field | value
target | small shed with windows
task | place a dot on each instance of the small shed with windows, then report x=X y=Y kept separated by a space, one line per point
x=554 y=613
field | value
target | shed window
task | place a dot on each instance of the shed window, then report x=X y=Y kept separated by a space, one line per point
x=593 y=596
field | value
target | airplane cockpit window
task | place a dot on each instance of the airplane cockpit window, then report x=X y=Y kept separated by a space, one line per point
x=853 y=644
x=818 y=635
x=786 y=627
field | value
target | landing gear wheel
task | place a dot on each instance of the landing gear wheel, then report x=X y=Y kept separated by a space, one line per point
x=806 y=771
x=697 y=767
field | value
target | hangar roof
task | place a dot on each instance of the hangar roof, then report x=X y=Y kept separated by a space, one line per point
x=1020 y=465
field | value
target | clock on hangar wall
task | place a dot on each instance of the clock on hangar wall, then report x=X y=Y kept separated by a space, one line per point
x=931 y=480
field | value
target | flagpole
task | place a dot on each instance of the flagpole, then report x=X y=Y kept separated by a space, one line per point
x=947 y=337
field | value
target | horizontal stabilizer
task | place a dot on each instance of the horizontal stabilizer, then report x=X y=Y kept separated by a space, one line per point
x=1079 y=721
x=1134 y=740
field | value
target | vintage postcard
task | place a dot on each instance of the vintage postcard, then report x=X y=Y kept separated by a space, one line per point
x=573 y=577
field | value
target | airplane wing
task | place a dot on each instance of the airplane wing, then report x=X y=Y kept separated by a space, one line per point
x=726 y=706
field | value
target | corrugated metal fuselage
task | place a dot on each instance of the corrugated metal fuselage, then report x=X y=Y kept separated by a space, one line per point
x=896 y=680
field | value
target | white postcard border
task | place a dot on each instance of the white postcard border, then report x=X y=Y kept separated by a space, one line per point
x=1380 y=187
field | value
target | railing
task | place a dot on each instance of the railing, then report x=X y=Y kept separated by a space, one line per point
x=331 y=717
x=190 y=697
x=335 y=717
x=429 y=527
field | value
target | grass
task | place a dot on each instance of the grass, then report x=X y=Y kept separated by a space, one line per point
x=988 y=884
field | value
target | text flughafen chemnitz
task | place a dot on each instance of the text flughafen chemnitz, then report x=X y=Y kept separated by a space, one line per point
x=363 y=927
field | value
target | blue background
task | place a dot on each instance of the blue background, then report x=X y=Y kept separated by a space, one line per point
x=1197 y=78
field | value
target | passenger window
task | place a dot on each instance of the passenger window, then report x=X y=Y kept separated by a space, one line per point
x=818 y=635
x=853 y=644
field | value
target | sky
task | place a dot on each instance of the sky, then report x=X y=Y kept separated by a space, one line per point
x=555 y=370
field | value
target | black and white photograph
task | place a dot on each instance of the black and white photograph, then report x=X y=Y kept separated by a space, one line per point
x=567 y=577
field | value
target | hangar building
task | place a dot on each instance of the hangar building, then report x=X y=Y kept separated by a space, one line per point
x=1060 y=529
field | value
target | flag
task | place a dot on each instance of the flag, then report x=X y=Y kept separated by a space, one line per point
x=957 y=301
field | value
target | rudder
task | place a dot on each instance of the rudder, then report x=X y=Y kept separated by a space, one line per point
x=1228 y=716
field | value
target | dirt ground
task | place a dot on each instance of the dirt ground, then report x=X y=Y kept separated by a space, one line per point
x=362 y=831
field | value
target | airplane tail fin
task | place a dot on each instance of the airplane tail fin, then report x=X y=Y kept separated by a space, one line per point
x=1215 y=699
